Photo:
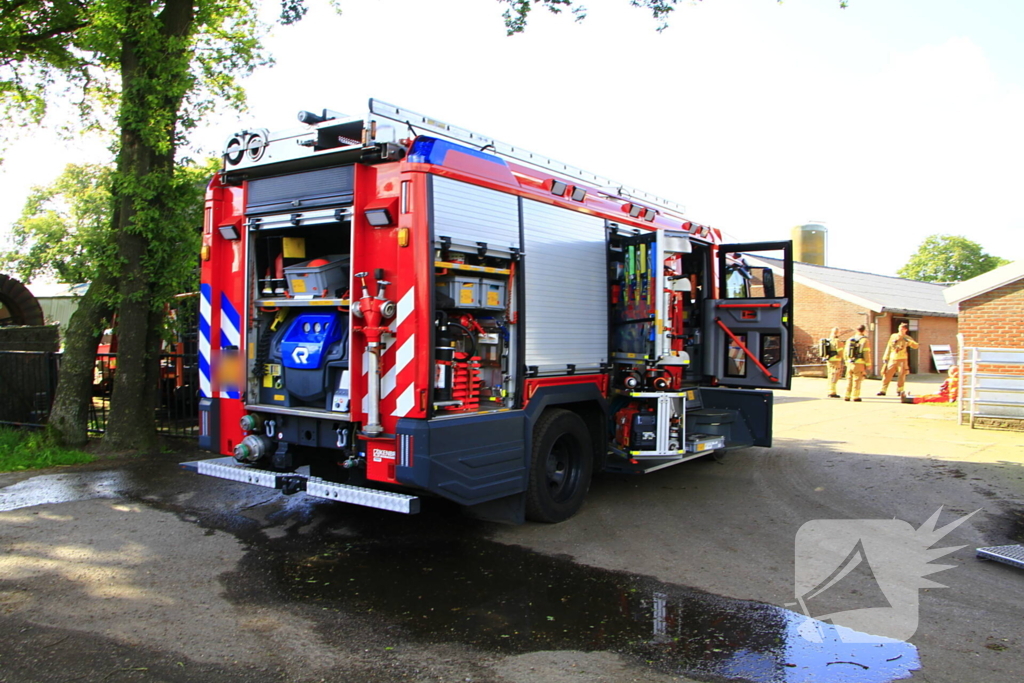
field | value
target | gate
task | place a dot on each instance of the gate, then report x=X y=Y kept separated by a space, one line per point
x=991 y=385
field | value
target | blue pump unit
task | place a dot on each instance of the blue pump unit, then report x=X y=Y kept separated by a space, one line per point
x=312 y=349
x=307 y=338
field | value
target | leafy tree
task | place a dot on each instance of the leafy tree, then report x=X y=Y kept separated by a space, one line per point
x=949 y=258
x=37 y=43
x=63 y=231
x=62 y=228
x=154 y=68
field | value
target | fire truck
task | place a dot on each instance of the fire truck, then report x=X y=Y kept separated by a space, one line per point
x=394 y=308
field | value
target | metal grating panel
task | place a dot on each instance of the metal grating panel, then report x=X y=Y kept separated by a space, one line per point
x=1008 y=554
x=468 y=213
x=227 y=468
x=566 y=276
x=383 y=500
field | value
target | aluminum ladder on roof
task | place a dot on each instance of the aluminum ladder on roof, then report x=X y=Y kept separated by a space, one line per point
x=468 y=137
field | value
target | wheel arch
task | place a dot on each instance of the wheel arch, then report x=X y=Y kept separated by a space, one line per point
x=587 y=401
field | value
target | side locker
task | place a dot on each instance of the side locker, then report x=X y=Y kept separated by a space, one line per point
x=749 y=330
x=476 y=267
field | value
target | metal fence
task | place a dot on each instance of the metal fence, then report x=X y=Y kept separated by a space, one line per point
x=29 y=381
x=991 y=385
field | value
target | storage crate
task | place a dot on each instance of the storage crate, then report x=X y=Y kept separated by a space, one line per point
x=492 y=294
x=322 y=281
x=473 y=292
x=464 y=290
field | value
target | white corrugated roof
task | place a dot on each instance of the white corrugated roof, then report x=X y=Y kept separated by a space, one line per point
x=52 y=290
x=986 y=282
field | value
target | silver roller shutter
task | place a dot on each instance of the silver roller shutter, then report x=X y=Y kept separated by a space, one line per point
x=565 y=272
x=469 y=214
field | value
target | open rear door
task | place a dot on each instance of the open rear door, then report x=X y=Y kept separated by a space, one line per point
x=748 y=332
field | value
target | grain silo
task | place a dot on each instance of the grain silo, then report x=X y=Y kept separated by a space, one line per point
x=809 y=243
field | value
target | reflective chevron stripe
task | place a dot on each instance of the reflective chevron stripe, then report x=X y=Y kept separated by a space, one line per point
x=204 y=341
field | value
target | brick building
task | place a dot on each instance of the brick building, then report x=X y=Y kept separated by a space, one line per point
x=991 y=309
x=826 y=297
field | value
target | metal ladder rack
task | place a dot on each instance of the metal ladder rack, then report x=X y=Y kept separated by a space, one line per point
x=468 y=137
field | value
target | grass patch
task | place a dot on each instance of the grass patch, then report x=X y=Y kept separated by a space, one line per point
x=30 y=450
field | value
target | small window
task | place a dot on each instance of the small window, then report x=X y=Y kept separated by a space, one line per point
x=771 y=349
x=735 y=358
x=737 y=283
x=763 y=284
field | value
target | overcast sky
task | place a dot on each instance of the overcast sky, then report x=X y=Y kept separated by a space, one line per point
x=888 y=121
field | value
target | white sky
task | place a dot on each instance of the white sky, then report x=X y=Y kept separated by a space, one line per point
x=889 y=121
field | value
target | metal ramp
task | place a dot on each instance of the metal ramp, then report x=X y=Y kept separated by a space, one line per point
x=293 y=482
x=1007 y=554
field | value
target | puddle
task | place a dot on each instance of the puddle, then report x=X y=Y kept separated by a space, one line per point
x=48 y=489
x=511 y=600
x=435 y=578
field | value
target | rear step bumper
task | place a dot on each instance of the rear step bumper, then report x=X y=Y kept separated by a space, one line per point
x=290 y=482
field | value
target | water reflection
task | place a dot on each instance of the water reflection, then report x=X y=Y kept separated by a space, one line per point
x=511 y=600
x=49 y=489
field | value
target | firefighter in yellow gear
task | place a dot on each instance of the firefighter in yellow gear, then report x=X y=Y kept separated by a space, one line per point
x=895 y=359
x=834 y=358
x=857 y=354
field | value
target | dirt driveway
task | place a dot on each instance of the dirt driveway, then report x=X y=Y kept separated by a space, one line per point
x=137 y=571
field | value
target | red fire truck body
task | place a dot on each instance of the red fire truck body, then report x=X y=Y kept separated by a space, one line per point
x=407 y=308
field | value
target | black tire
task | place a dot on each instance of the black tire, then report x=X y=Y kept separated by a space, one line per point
x=19 y=307
x=561 y=466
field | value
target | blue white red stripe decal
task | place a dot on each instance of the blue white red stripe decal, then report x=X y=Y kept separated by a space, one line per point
x=230 y=337
x=204 y=341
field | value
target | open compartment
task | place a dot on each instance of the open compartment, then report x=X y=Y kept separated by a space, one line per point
x=474 y=328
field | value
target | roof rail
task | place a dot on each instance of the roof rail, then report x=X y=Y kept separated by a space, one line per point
x=468 y=137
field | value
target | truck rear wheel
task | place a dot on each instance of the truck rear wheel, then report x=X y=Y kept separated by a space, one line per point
x=560 y=467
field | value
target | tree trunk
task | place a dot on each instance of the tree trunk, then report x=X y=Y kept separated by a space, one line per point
x=69 y=419
x=131 y=422
x=149 y=70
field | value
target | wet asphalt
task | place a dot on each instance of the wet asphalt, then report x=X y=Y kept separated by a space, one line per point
x=436 y=596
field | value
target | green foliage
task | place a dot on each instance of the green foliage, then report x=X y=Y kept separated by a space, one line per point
x=949 y=258
x=63 y=229
x=37 y=44
x=72 y=51
x=518 y=11
x=173 y=258
x=29 y=450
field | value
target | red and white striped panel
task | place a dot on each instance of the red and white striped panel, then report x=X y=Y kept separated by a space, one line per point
x=397 y=386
